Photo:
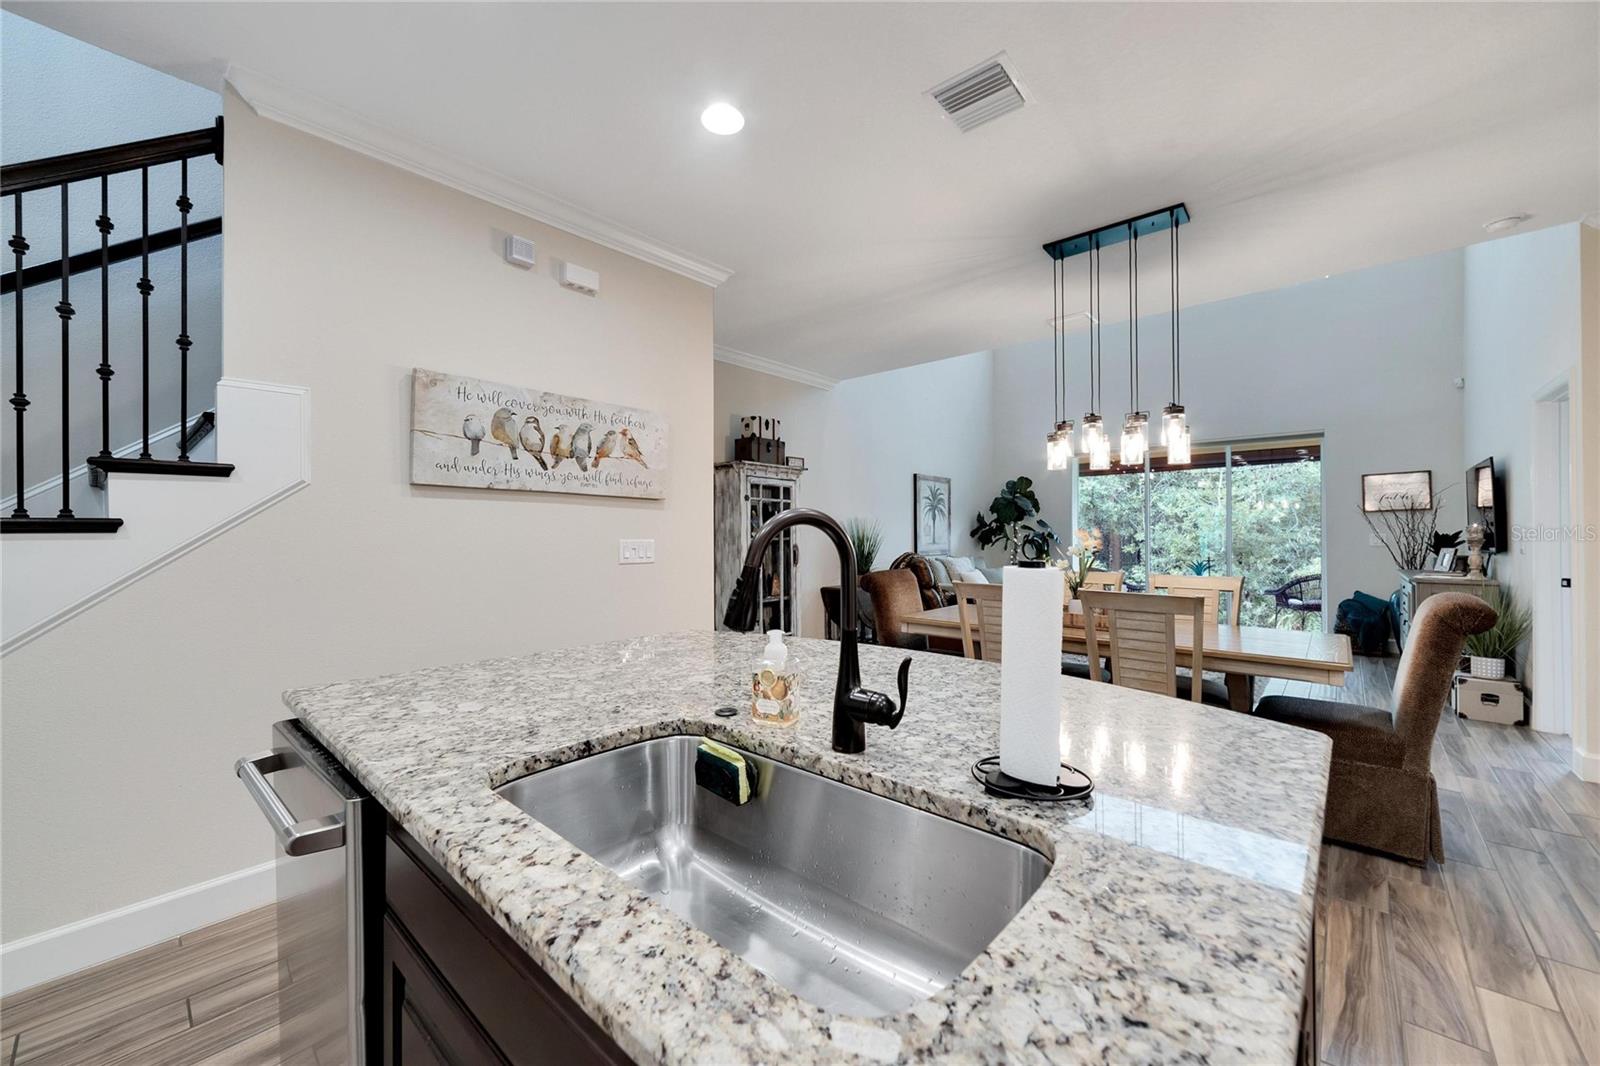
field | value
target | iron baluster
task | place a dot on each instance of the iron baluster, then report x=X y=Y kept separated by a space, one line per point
x=103 y=224
x=64 y=309
x=19 y=400
x=145 y=289
x=184 y=342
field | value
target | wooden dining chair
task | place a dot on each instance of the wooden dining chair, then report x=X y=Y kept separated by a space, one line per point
x=1208 y=588
x=1143 y=644
x=978 y=607
x=1104 y=580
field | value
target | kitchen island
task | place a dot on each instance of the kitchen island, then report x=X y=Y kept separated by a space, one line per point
x=1174 y=925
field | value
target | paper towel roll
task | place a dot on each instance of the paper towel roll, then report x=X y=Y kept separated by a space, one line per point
x=1030 y=674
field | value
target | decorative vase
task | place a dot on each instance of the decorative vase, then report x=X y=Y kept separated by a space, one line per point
x=1487 y=668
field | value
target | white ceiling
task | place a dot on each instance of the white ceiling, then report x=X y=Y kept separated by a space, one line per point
x=863 y=230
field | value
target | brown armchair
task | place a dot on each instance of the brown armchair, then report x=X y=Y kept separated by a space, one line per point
x=894 y=595
x=1381 y=792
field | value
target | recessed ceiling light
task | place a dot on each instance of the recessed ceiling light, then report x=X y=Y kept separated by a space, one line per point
x=723 y=119
x=1500 y=225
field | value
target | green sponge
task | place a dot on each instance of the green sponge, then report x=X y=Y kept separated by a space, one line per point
x=723 y=771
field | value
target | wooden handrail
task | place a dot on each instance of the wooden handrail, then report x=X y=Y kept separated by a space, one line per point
x=115 y=159
x=121 y=252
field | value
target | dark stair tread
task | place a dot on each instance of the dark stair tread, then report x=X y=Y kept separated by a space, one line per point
x=60 y=525
x=190 y=468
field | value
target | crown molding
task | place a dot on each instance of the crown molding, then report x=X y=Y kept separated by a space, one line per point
x=763 y=365
x=311 y=114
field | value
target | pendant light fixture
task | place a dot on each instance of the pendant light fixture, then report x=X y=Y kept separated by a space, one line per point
x=1135 y=425
x=1174 y=427
x=1058 y=444
x=1094 y=441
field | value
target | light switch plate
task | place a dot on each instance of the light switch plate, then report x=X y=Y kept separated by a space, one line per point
x=635 y=552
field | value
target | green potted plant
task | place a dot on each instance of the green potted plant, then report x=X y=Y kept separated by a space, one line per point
x=1490 y=649
x=866 y=538
x=1014 y=523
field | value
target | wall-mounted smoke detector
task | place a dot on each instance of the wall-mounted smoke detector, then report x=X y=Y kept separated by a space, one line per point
x=982 y=94
x=1509 y=222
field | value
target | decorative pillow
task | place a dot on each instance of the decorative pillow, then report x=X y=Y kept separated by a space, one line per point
x=973 y=577
x=936 y=567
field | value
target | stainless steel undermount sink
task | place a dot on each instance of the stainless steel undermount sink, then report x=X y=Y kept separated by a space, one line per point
x=857 y=903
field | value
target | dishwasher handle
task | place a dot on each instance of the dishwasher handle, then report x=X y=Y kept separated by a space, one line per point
x=295 y=838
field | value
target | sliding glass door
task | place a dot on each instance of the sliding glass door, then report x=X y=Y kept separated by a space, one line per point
x=1251 y=508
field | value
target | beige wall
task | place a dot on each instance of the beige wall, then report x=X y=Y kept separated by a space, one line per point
x=863 y=440
x=341 y=274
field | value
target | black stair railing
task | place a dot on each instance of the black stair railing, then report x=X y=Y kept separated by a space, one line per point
x=59 y=173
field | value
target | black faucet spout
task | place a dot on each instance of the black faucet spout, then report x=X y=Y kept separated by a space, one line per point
x=853 y=707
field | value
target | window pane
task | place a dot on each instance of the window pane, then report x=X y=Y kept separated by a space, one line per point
x=1188 y=515
x=1277 y=529
x=1113 y=503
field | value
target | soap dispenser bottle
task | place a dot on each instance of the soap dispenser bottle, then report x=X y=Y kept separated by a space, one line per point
x=772 y=684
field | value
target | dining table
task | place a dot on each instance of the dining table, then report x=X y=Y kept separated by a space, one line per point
x=1241 y=653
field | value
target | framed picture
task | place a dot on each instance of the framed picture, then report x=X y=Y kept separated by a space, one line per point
x=478 y=434
x=930 y=522
x=1407 y=490
x=1445 y=561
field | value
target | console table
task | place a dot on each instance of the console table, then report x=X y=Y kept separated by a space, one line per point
x=1418 y=585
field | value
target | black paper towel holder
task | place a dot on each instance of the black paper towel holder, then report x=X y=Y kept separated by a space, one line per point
x=1074 y=784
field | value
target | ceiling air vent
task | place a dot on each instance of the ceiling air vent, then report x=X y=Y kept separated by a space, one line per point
x=980 y=95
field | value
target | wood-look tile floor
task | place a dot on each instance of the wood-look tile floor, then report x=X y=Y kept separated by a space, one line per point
x=1492 y=958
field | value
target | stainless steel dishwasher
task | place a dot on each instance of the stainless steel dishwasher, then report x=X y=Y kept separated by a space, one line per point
x=330 y=897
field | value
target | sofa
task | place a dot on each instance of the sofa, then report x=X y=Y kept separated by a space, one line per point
x=937 y=574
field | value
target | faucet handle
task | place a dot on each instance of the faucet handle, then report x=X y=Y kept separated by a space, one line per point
x=876 y=708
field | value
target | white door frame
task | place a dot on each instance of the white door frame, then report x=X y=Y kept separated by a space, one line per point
x=1545 y=544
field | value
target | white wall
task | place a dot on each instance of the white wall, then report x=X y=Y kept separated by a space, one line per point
x=863 y=440
x=341 y=274
x=1366 y=358
x=1524 y=333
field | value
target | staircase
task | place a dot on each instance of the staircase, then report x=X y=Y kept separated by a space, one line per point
x=157 y=477
x=47 y=183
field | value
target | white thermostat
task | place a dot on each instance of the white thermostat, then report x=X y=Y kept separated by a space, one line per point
x=519 y=251
x=580 y=279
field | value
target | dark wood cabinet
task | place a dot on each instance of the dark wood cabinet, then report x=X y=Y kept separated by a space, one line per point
x=457 y=990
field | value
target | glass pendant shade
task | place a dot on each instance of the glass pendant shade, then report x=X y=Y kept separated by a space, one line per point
x=1058 y=447
x=1135 y=438
x=1095 y=444
x=1172 y=423
x=1178 y=447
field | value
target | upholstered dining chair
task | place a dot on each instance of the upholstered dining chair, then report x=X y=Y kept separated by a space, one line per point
x=895 y=596
x=1209 y=589
x=1142 y=639
x=978 y=607
x=1381 y=791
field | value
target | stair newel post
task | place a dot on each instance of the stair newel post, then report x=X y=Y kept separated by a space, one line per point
x=145 y=289
x=19 y=399
x=183 y=312
x=64 y=309
x=103 y=224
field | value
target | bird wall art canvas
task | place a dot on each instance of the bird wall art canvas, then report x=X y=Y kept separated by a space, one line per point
x=931 y=523
x=482 y=434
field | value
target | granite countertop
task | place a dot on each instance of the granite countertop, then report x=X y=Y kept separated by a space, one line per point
x=1173 y=926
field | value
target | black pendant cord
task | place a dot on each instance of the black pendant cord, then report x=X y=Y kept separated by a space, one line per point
x=1133 y=320
x=1055 y=341
x=64 y=309
x=1177 y=362
x=1094 y=353
x=19 y=399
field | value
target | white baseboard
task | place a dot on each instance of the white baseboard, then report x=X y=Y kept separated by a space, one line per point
x=1585 y=764
x=57 y=952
